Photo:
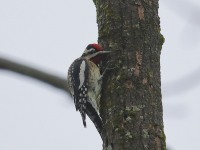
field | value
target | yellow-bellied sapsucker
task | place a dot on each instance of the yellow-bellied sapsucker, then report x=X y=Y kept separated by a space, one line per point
x=85 y=81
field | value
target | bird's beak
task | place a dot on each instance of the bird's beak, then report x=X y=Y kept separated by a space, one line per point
x=104 y=52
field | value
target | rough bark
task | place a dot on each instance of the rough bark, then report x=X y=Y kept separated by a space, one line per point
x=131 y=106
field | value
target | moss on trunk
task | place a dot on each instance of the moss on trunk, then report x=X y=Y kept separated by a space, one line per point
x=131 y=106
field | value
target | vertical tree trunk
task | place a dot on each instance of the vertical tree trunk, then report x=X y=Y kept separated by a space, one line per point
x=131 y=106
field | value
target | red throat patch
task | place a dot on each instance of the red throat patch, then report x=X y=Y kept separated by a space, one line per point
x=97 y=59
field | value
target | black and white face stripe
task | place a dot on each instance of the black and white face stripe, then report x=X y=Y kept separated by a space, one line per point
x=90 y=49
x=89 y=52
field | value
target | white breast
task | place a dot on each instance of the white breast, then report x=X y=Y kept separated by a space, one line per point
x=94 y=90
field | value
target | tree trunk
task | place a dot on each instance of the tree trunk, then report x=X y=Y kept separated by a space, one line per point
x=131 y=106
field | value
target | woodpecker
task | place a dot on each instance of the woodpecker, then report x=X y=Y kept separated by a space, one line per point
x=85 y=81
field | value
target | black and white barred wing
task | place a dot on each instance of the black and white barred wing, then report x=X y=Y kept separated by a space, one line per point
x=79 y=83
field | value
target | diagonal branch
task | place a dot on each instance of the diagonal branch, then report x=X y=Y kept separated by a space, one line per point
x=47 y=78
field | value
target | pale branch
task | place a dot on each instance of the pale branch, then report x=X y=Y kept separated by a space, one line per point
x=45 y=77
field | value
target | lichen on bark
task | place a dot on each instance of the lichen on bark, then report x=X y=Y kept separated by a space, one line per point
x=131 y=106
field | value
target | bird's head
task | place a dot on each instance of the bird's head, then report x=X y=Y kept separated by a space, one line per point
x=94 y=52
